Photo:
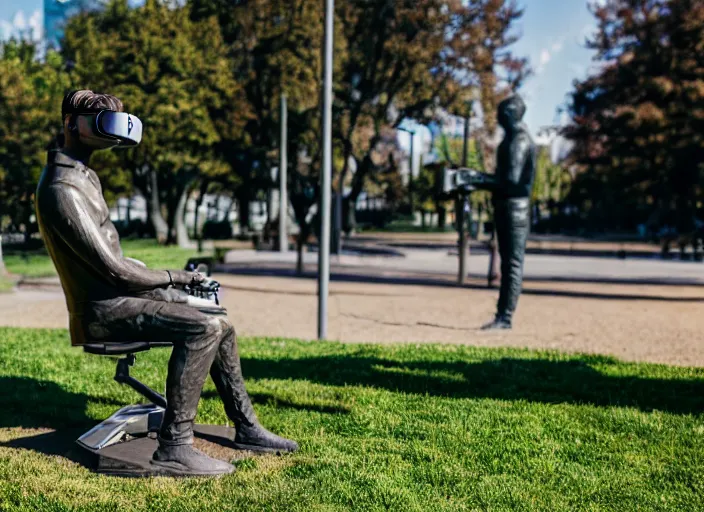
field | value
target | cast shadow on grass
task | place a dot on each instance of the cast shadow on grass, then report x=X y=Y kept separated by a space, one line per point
x=32 y=405
x=443 y=281
x=534 y=380
x=48 y=419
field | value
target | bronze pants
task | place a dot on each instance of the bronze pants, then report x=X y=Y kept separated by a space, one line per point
x=512 y=227
x=202 y=343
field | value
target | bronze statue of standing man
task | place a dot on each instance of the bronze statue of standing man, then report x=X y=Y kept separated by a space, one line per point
x=511 y=190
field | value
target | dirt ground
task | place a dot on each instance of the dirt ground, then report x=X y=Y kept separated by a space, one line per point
x=635 y=322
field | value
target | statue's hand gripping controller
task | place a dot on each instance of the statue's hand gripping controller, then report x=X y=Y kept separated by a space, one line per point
x=207 y=290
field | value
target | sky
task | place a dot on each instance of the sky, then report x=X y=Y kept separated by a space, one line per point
x=552 y=37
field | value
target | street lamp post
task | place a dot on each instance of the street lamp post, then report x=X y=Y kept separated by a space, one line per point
x=325 y=176
x=462 y=207
x=412 y=135
x=283 y=173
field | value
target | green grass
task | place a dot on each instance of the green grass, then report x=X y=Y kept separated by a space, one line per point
x=38 y=263
x=394 y=427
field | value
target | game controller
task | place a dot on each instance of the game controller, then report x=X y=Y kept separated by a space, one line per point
x=208 y=289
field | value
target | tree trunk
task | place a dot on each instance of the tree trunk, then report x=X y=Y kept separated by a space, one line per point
x=176 y=206
x=197 y=231
x=358 y=179
x=299 y=254
x=243 y=204
x=2 y=262
x=442 y=219
x=182 y=238
x=304 y=232
x=161 y=228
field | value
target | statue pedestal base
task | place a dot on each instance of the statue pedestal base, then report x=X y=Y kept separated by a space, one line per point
x=123 y=444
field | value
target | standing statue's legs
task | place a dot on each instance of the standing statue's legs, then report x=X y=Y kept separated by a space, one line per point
x=512 y=227
x=226 y=372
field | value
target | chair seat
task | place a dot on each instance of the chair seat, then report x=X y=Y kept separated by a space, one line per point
x=116 y=349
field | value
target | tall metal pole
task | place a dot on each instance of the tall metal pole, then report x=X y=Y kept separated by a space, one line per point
x=325 y=176
x=410 y=176
x=465 y=144
x=337 y=232
x=462 y=205
x=283 y=174
x=411 y=134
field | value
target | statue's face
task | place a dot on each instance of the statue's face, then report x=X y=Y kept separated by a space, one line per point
x=505 y=117
x=510 y=112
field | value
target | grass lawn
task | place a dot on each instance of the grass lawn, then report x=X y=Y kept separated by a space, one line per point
x=38 y=264
x=397 y=427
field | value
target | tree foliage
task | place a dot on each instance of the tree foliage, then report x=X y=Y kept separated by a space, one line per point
x=173 y=73
x=274 y=49
x=638 y=124
x=29 y=92
x=206 y=77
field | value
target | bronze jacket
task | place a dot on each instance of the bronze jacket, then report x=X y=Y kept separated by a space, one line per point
x=515 y=164
x=83 y=243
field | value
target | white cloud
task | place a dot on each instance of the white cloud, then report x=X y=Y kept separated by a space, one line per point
x=23 y=25
x=546 y=55
x=19 y=22
x=36 y=23
x=5 y=29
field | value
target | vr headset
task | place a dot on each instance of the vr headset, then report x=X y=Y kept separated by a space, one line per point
x=107 y=129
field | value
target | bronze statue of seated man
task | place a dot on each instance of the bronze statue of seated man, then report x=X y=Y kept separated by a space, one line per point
x=112 y=298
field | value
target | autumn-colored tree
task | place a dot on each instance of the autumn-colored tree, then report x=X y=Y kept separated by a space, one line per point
x=638 y=124
x=274 y=46
x=498 y=71
x=403 y=60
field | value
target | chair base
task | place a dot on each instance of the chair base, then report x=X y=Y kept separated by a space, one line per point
x=129 y=422
x=123 y=444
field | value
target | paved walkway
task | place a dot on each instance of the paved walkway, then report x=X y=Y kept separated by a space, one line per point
x=442 y=264
x=571 y=304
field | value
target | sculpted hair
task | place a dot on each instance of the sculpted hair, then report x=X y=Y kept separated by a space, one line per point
x=86 y=102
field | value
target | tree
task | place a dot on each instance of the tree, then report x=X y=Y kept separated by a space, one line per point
x=176 y=75
x=30 y=105
x=498 y=71
x=403 y=61
x=638 y=123
x=552 y=179
x=274 y=47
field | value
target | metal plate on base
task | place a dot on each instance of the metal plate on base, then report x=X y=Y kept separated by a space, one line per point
x=130 y=421
x=132 y=458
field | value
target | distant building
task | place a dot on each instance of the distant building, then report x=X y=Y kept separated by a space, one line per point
x=57 y=12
